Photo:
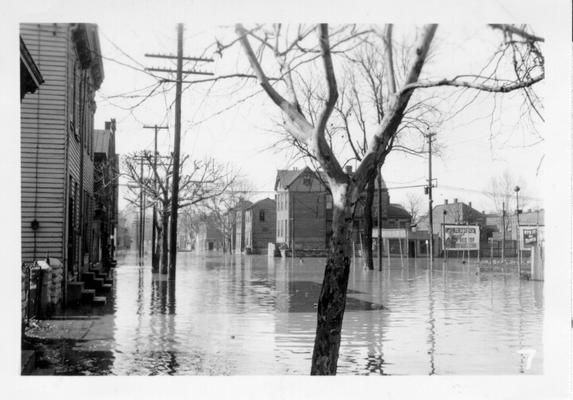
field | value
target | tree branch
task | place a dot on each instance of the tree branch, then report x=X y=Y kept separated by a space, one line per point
x=518 y=32
x=303 y=128
x=500 y=88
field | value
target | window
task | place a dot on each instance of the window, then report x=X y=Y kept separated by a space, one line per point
x=329 y=202
x=262 y=215
x=307 y=180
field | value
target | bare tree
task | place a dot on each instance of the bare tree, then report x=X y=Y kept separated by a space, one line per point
x=346 y=188
x=414 y=205
x=220 y=209
x=200 y=181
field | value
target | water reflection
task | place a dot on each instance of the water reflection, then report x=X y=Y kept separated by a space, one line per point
x=239 y=314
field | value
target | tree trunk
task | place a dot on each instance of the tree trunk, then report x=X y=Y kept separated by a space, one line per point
x=164 y=239
x=332 y=300
x=154 y=243
x=368 y=222
x=158 y=252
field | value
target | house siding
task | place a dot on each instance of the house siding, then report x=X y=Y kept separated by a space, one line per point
x=258 y=234
x=51 y=153
x=43 y=126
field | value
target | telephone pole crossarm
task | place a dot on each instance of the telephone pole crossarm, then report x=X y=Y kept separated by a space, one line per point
x=175 y=72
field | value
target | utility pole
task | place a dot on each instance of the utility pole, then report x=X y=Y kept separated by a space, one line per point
x=154 y=260
x=430 y=201
x=177 y=139
x=379 y=219
x=517 y=212
x=141 y=212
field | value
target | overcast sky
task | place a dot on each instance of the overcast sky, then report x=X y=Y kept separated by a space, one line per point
x=481 y=141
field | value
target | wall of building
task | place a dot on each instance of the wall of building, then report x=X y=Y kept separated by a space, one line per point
x=43 y=144
x=260 y=229
x=309 y=215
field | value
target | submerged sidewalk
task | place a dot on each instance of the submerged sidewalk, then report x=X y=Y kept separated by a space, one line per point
x=69 y=345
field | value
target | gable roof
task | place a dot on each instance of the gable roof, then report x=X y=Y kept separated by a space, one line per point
x=265 y=200
x=287 y=176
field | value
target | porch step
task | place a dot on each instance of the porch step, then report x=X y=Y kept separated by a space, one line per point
x=88 y=277
x=88 y=295
x=96 y=284
x=75 y=292
x=106 y=287
x=99 y=300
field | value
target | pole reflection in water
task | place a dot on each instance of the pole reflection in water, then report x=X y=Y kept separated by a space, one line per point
x=431 y=322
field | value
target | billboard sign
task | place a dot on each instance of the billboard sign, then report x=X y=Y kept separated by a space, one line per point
x=530 y=236
x=460 y=237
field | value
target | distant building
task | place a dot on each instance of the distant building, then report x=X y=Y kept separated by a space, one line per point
x=209 y=236
x=495 y=223
x=237 y=222
x=304 y=210
x=106 y=172
x=57 y=154
x=457 y=213
x=260 y=224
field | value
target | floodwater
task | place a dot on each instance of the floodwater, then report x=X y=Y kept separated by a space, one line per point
x=242 y=315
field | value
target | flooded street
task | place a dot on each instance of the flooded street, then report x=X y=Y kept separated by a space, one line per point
x=242 y=315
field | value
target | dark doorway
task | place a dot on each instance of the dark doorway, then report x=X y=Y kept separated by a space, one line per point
x=411 y=248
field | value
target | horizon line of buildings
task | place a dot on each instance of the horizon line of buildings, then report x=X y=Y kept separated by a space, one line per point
x=299 y=218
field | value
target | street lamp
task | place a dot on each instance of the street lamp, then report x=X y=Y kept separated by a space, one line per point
x=516 y=190
x=444 y=234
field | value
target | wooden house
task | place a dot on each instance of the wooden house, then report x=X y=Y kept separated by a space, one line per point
x=260 y=224
x=57 y=157
x=239 y=225
x=209 y=237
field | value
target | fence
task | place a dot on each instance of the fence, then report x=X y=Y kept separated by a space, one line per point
x=494 y=249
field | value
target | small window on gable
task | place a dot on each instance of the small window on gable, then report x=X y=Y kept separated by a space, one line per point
x=329 y=202
x=262 y=215
x=307 y=180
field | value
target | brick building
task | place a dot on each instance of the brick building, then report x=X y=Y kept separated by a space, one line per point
x=260 y=224
x=304 y=210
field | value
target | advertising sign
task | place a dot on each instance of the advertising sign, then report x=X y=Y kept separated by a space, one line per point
x=530 y=236
x=460 y=237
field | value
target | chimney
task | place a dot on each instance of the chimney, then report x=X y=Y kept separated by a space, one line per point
x=455 y=201
x=349 y=169
x=107 y=125
x=470 y=204
x=446 y=201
